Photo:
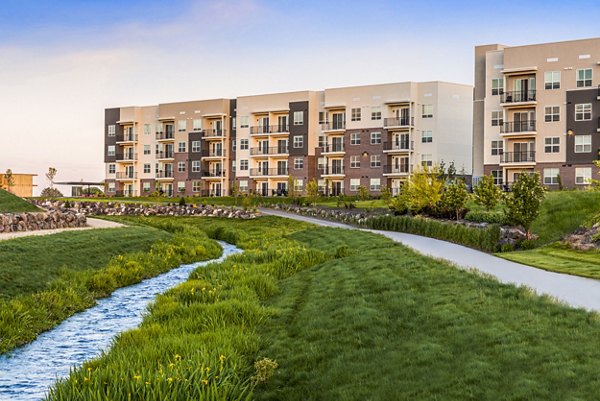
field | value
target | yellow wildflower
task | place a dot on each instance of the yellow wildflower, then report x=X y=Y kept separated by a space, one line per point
x=205 y=382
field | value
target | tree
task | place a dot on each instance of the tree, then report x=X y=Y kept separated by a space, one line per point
x=424 y=189
x=455 y=197
x=9 y=180
x=292 y=184
x=487 y=193
x=312 y=191
x=523 y=205
x=595 y=184
x=51 y=193
x=363 y=193
x=386 y=194
x=50 y=176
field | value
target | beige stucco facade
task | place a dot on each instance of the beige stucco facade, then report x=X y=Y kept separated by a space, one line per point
x=22 y=184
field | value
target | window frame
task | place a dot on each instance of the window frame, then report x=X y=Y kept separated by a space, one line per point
x=354 y=161
x=375 y=161
x=583 y=146
x=584 y=83
x=355 y=114
x=355 y=138
x=427 y=136
x=298 y=141
x=582 y=113
x=553 y=146
x=298 y=117
x=499 y=89
x=551 y=179
x=584 y=177
x=498 y=149
x=552 y=83
x=375 y=137
x=427 y=111
x=552 y=116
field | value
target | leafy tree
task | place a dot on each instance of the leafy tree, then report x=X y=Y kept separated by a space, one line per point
x=455 y=197
x=9 y=180
x=51 y=193
x=312 y=191
x=386 y=194
x=292 y=184
x=487 y=193
x=424 y=189
x=363 y=193
x=50 y=176
x=523 y=206
x=595 y=184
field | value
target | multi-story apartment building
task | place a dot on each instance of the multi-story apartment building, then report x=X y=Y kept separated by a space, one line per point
x=371 y=136
x=537 y=108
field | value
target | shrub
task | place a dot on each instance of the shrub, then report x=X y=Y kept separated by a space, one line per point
x=523 y=206
x=486 y=193
x=454 y=198
x=482 y=216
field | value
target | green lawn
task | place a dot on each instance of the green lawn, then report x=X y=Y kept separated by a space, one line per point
x=10 y=203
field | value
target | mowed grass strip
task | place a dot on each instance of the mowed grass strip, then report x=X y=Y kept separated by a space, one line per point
x=10 y=203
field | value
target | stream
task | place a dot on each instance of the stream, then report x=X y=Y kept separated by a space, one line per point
x=27 y=373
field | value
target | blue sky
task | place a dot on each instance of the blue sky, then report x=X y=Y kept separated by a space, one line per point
x=74 y=58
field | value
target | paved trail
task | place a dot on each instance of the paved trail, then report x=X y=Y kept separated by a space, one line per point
x=575 y=291
x=92 y=224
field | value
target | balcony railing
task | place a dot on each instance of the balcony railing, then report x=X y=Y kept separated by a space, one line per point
x=125 y=192
x=127 y=156
x=213 y=153
x=165 y=135
x=332 y=148
x=127 y=137
x=519 y=96
x=518 y=157
x=399 y=145
x=126 y=175
x=214 y=173
x=165 y=155
x=268 y=171
x=399 y=122
x=396 y=169
x=276 y=150
x=211 y=192
x=331 y=170
x=517 y=126
x=213 y=133
x=269 y=129
x=164 y=174
x=333 y=126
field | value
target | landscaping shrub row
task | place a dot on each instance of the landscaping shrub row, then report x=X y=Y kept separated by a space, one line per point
x=485 y=216
x=486 y=239
x=24 y=317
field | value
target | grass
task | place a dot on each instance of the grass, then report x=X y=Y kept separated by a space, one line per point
x=10 y=203
x=347 y=316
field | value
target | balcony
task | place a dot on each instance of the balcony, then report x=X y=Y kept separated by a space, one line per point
x=270 y=129
x=333 y=148
x=335 y=126
x=214 y=173
x=126 y=193
x=165 y=136
x=395 y=122
x=400 y=169
x=331 y=170
x=126 y=175
x=527 y=157
x=268 y=172
x=398 y=146
x=161 y=155
x=161 y=175
x=518 y=97
x=210 y=134
x=127 y=138
x=263 y=151
x=127 y=157
x=214 y=153
x=518 y=127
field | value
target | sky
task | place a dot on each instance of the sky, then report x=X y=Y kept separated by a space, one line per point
x=62 y=62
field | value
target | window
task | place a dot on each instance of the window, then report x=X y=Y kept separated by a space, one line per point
x=497 y=176
x=147 y=129
x=551 y=114
x=551 y=176
x=243 y=144
x=195 y=146
x=112 y=130
x=111 y=187
x=376 y=113
x=146 y=186
x=497 y=118
x=298 y=118
x=112 y=168
x=243 y=165
x=427 y=111
x=375 y=161
x=195 y=166
x=322 y=141
x=244 y=122
x=181 y=186
x=426 y=160
x=497 y=86
x=426 y=137
x=298 y=163
x=298 y=141
x=583 y=111
x=375 y=138
x=584 y=77
x=354 y=184
x=110 y=151
x=181 y=125
x=583 y=143
x=244 y=185
x=375 y=184
x=181 y=167
x=497 y=148
x=146 y=149
x=583 y=175
x=354 y=161
x=355 y=138
x=322 y=117
x=233 y=145
x=355 y=114
x=552 y=80
x=196 y=186
x=233 y=165
x=197 y=124
x=321 y=163
x=147 y=168
x=552 y=144
x=181 y=147
x=299 y=184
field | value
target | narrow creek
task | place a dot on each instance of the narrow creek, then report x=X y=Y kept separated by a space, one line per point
x=27 y=372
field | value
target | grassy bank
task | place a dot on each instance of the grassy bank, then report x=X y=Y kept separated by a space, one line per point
x=10 y=203
x=347 y=316
x=47 y=279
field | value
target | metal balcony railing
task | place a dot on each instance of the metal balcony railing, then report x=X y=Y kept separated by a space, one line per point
x=269 y=171
x=276 y=150
x=340 y=125
x=269 y=129
x=214 y=153
x=517 y=126
x=518 y=157
x=165 y=155
x=519 y=96
x=165 y=135
x=127 y=156
x=214 y=173
x=214 y=133
x=399 y=145
x=399 y=122
x=334 y=147
x=331 y=170
x=402 y=168
x=127 y=137
x=164 y=174
x=126 y=175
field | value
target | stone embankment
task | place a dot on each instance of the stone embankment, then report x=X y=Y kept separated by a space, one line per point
x=50 y=220
x=584 y=239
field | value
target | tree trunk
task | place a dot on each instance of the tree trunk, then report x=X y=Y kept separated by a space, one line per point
x=528 y=234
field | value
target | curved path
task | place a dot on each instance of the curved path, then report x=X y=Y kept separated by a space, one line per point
x=91 y=224
x=575 y=291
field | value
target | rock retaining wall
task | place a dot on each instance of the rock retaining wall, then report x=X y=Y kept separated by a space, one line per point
x=16 y=222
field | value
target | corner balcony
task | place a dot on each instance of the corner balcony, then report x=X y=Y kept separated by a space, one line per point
x=334 y=127
x=213 y=154
x=332 y=171
x=401 y=170
x=333 y=149
x=398 y=147
x=168 y=136
x=398 y=123
x=126 y=176
x=271 y=151
x=128 y=138
x=282 y=129
x=127 y=157
x=165 y=155
x=213 y=134
x=519 y=98
x=526 y=158
x=518 y=129
x=269 y=172
x=213 y=174
x=164 y=175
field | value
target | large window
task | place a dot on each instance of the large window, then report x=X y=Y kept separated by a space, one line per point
x=110 y=151
x=181 y=125
x=298 y=141
x=583 y=144
x=195 y=166
x=298 y=163
x=375 y=184
x=583 y=175
x=426 y=136
x=426 y=160
x=298 y=118
x=356 y=114
x=584 y=77
x=243 y=121
x=197 y=124
x=551 y=176
x=181 y=167
x=551 y=114
x=497 y=176
x=552 y=80
x=112 y=130
x=497 y=118
x=375 y=161
x=244 y=185
x=427 y=111
x=147 y=149
x=147 y=168
x=376 y=113
x=355 y=138
x=375 y=138
x=195 y=146
x=497 y=86
x=583 y=111
x=112 y=168
x=552 y=144
x=181 y=147
x=243 y=165
x=354 y=184
x=243 y=144
x=497 y=148
x=147 y=129
x=355 y=161
x=196 y=185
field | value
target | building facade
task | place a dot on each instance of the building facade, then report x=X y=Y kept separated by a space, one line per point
x=22 y=184
x=371 y=136
x=536 y=109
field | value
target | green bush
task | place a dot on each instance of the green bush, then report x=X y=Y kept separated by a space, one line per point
x=483 y=216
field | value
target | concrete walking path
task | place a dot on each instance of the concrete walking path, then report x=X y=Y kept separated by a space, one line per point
x=91 y=224
x=573 y=290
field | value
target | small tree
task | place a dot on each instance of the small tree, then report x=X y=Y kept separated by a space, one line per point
x=50 y=176
x=455 y=197
x=9 y=180
x=363 y=193
x=386 y=194
x=487 y=193
x=312 y=191
x=523 y=206
x=51 y=193
x=292 y=184
x=424 y=190
x=595 y=184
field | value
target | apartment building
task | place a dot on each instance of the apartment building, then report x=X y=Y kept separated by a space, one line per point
x=536 y=108
x=22 y=184
x=371 y=136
